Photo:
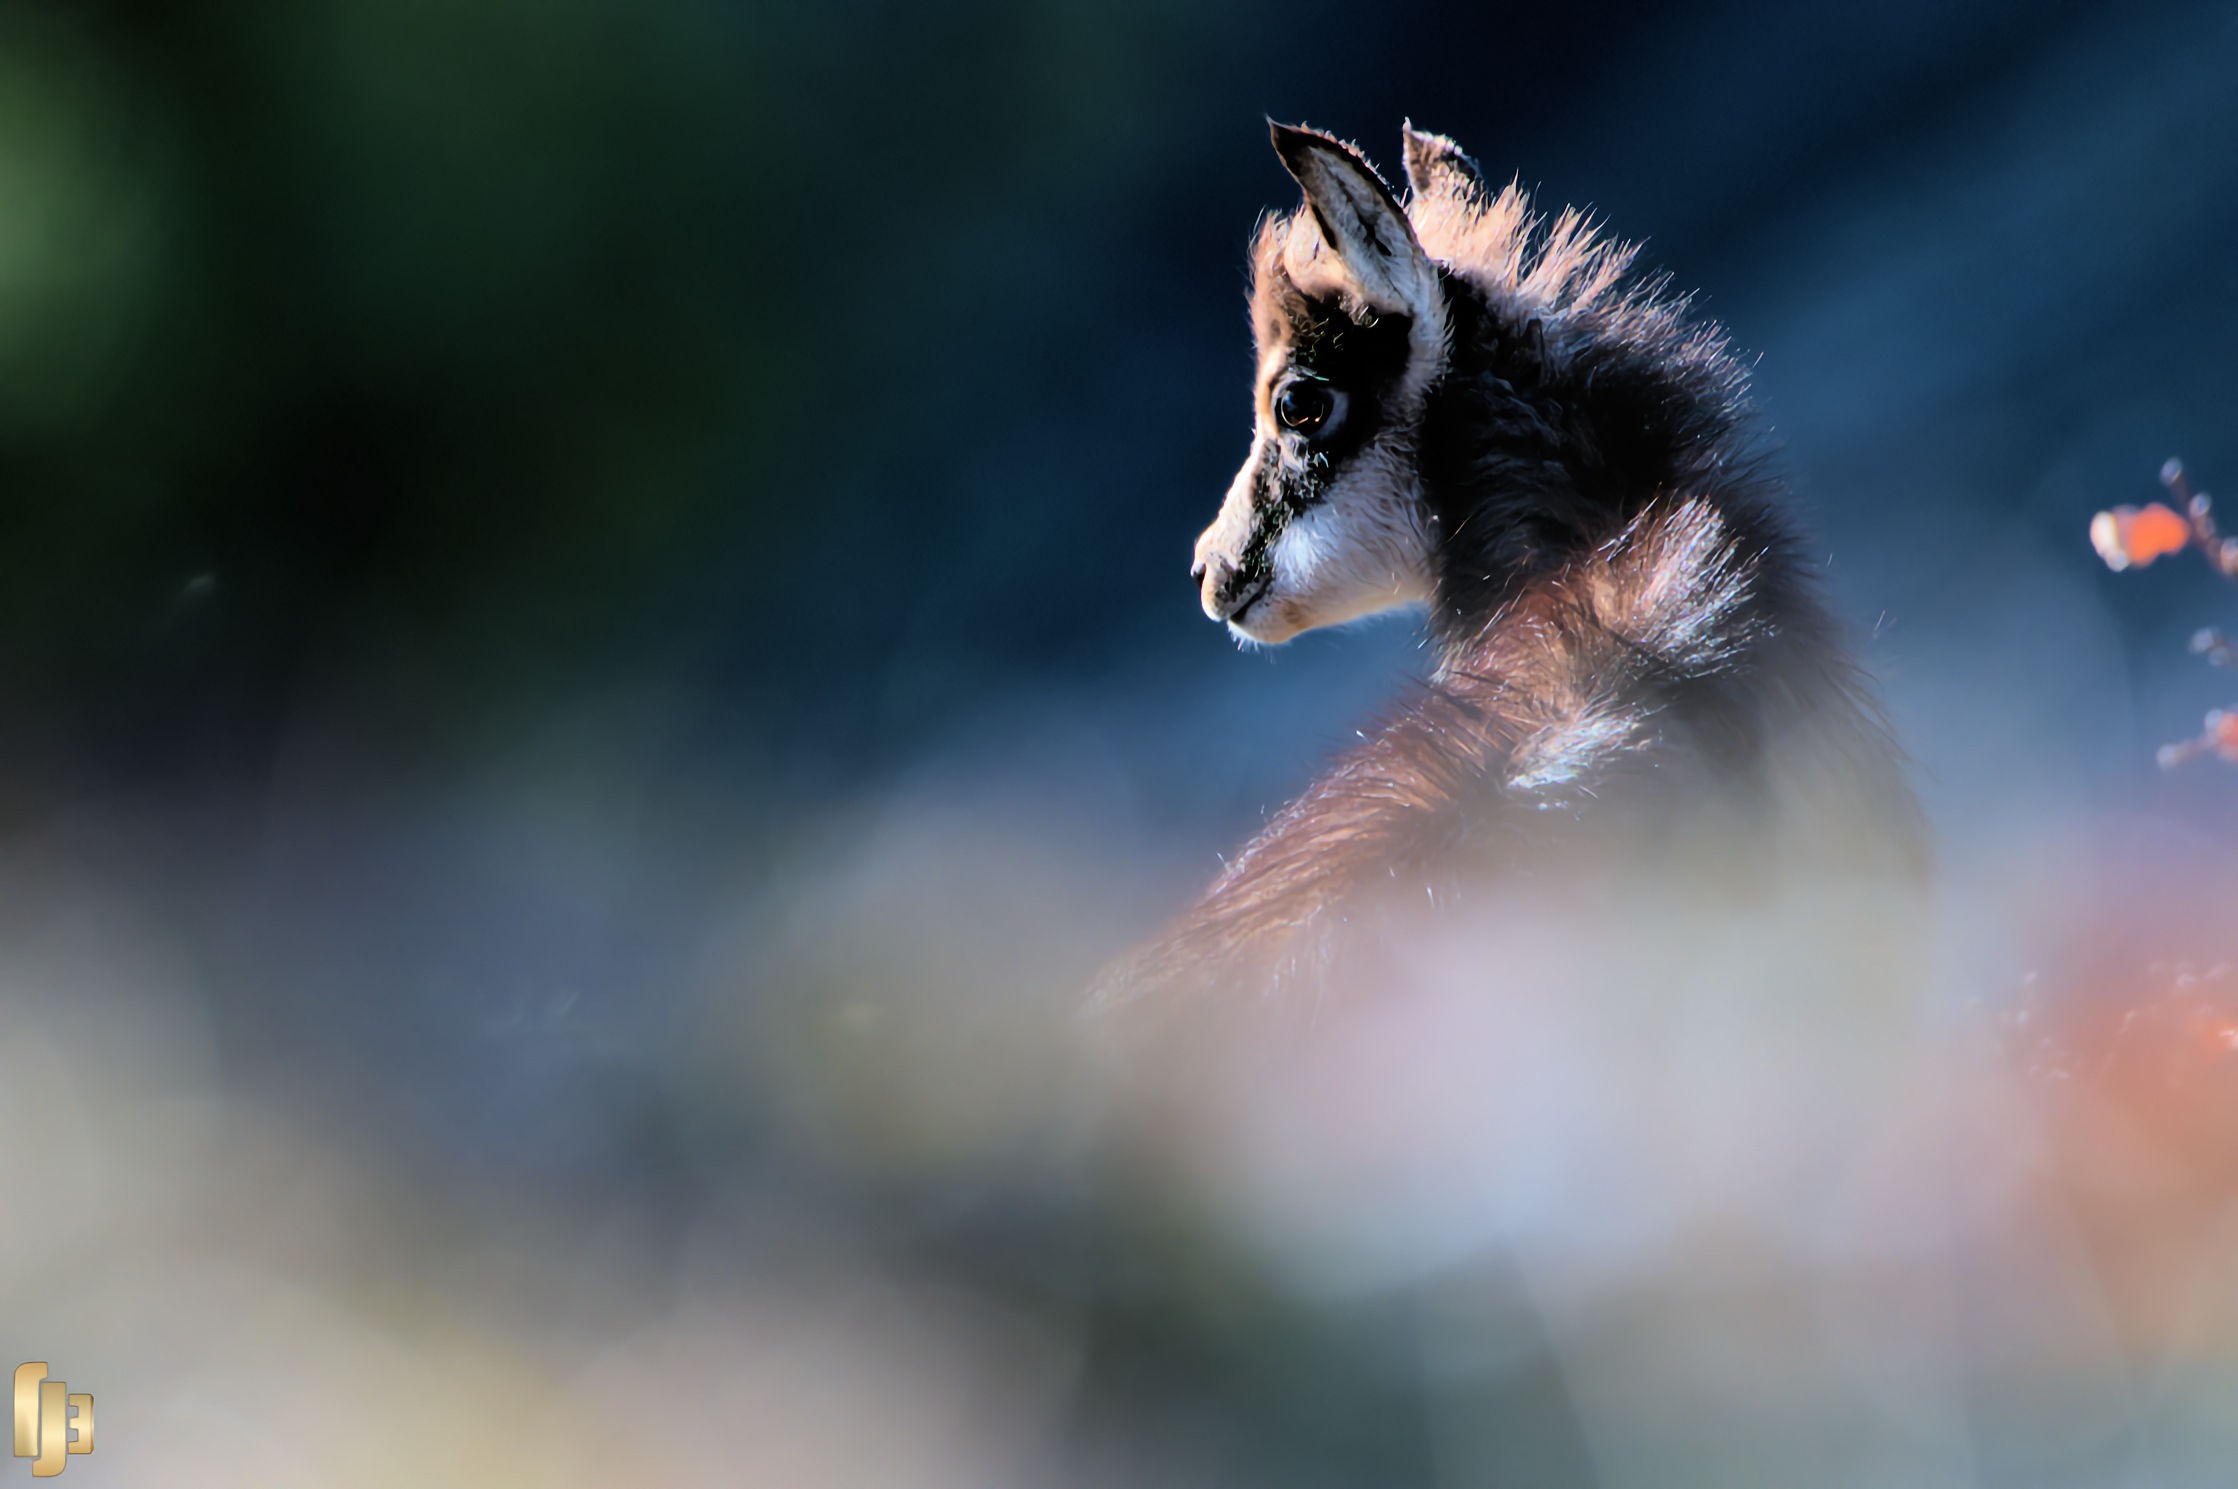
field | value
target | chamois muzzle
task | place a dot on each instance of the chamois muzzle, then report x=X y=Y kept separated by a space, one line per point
x=1227 y=593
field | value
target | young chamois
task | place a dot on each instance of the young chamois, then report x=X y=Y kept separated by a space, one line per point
x=1463 y=406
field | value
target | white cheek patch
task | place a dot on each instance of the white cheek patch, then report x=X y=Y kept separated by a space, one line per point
x=1305 y=548
x=1364 y=547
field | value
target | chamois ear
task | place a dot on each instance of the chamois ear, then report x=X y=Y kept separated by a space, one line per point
x=1438 y=169
x=1353 y=238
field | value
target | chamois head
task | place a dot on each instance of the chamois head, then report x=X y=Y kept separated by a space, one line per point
x=1325 y=521
x=1451 y=393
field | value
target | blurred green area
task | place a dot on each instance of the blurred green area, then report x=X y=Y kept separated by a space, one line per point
x=403 y=335
x=467 y=350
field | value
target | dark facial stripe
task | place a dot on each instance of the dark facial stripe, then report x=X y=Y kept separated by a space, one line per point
x=1270 y=515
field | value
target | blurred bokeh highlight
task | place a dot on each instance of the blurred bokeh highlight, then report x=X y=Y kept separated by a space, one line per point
x=595 y=643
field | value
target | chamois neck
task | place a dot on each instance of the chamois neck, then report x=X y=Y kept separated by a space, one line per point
x=1550 y=437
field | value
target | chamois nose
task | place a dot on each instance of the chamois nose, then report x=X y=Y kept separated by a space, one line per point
x=1224 y=591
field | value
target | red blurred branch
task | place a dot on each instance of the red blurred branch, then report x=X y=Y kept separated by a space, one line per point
x=2131 y=538
x=2199 y=507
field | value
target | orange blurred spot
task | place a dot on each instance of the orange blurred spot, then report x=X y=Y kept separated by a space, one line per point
x=2131 y=537
x=2222 y=733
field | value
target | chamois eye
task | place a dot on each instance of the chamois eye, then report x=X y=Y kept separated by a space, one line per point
x=1309 y=408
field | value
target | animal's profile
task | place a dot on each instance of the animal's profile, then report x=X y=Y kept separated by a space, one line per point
x=1464 y=406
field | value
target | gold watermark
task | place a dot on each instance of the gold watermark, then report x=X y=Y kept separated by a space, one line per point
x=51 y=1420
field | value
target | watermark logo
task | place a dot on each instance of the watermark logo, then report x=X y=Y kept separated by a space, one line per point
x=51 y=1420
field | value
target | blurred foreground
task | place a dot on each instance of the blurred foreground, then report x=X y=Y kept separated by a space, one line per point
x=1840 y=1190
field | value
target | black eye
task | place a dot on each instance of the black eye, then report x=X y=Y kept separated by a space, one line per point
x=1306 y=406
